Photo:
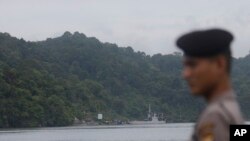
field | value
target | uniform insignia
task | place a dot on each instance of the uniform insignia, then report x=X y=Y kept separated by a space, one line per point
x=206 y=132
x=207 y=137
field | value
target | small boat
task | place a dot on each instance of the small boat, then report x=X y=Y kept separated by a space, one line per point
x=152 y=119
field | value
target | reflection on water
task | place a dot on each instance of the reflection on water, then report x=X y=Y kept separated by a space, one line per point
x=157 y=132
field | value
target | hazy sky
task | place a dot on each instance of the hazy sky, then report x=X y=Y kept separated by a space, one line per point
x=151 y=26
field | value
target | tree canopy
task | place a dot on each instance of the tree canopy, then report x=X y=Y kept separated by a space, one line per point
x=49 y=83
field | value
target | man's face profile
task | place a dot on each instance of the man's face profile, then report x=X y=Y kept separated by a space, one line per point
x=201 y=74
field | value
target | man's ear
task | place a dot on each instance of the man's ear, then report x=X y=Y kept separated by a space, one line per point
x=221 y=62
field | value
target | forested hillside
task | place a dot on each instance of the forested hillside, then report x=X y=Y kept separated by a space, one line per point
x=49 y=83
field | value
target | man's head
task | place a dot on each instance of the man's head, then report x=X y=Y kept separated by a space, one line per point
x=207 y=59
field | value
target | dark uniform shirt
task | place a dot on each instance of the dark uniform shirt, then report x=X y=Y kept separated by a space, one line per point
x=213 y=123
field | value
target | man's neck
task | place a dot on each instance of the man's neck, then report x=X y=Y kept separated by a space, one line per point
x=219 y=90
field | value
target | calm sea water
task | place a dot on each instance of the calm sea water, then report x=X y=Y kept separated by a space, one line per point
x=156 y=132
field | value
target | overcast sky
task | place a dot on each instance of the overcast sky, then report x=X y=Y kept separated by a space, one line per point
x=151 y=26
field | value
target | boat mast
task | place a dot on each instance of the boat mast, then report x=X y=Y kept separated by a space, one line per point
x=149 y=112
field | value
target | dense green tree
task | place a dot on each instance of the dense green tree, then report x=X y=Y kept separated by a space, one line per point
x=52 y=82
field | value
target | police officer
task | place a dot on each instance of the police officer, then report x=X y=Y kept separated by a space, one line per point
x=207 y=64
